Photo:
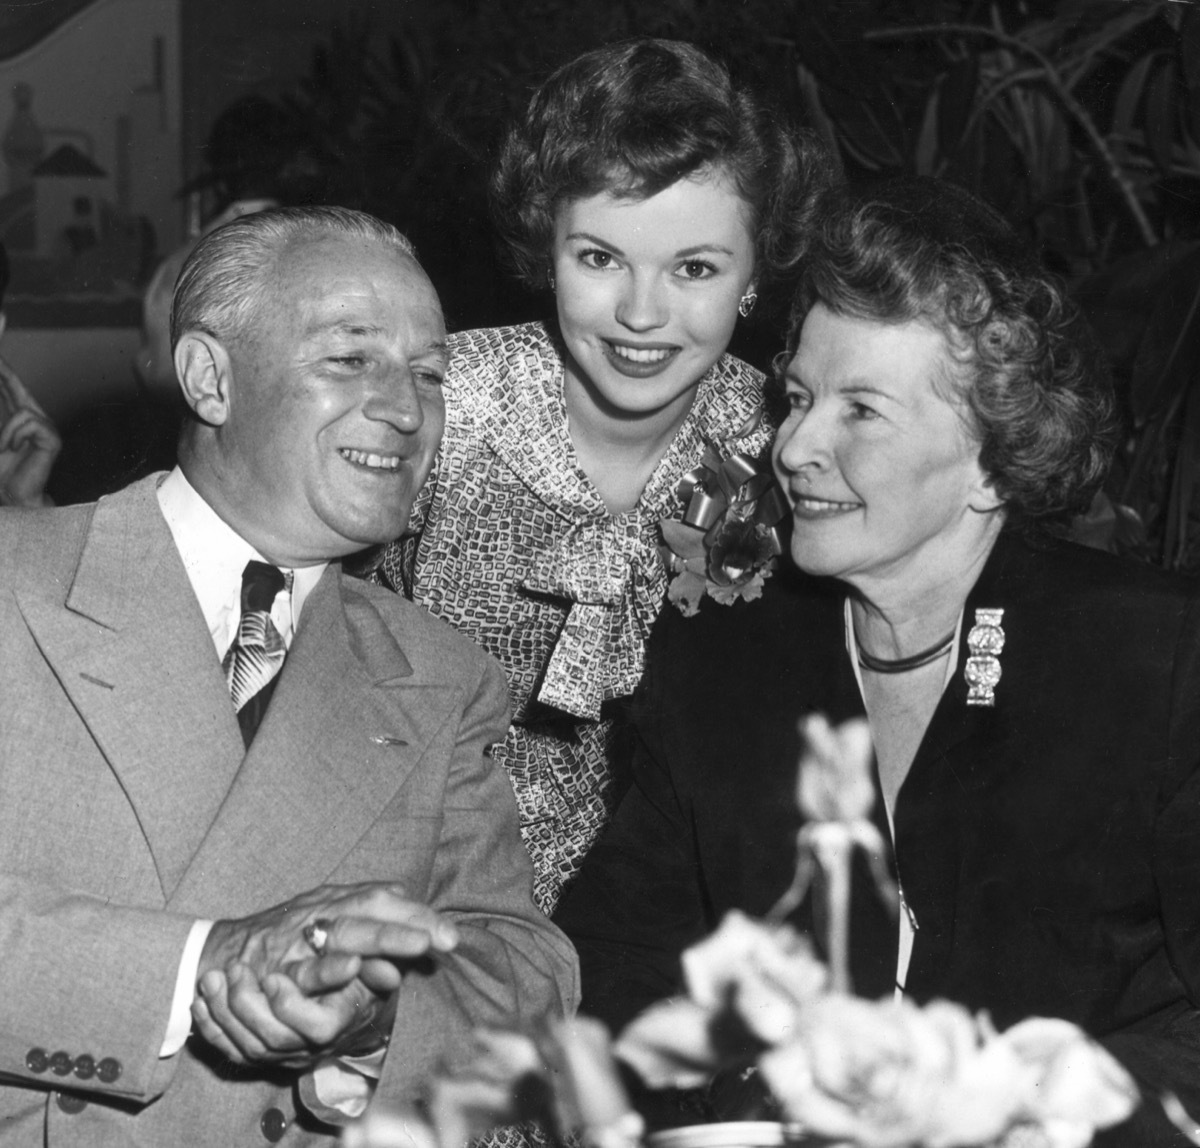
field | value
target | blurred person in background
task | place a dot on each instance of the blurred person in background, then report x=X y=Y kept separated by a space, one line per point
x=111 y=443
x=29 y=442
x=245 y=155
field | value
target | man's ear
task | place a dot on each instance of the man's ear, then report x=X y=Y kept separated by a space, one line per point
x=205 y=374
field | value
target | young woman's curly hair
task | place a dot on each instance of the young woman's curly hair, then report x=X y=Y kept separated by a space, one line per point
x=632 y=119
x=1037 y=393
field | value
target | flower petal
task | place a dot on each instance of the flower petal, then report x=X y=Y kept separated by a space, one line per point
x=835 y=782
x=684 y=540
x=686 y=591
x=1074 y=1079
x=670 y=1045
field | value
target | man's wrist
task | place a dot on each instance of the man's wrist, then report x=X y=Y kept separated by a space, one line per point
x=365 y=1045
x=179 y=1023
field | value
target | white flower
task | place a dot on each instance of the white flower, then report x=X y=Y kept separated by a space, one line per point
x=765 y=973
x=671 y=1045
x=888 y=1074
x=1076 y=1085
x=835 y=770
x=588 y=1091
x=760 y=974
x=390 y=1126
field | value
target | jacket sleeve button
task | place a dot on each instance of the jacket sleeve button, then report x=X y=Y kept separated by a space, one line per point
x=61 y=1063
x=85 y=1066
x=273 y=1124
x=108 y=1070
x=36 y=1060
x=69 y=1103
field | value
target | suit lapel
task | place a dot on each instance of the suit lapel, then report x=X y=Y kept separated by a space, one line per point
x=950 y=762
x=954 y=721
x=132 y=652
x=346 y=727
x=821 y=667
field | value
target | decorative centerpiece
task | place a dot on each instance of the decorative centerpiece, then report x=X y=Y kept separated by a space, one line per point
x=841 y=1070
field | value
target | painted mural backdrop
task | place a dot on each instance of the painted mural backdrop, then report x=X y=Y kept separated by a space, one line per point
x=89 y=156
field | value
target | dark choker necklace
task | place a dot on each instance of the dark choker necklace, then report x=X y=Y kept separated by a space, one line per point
x=903 y=665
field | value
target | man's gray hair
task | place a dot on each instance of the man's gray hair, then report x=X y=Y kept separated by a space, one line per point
x=226 y=276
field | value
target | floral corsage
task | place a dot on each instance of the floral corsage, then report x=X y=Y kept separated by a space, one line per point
x=727 y=543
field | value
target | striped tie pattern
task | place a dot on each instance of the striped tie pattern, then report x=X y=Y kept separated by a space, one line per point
x=256 y=655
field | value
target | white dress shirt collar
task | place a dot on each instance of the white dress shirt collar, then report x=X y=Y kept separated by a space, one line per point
x=214 y=556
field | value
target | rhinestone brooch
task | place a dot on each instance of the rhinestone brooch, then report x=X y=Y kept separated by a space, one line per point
x=985 y=642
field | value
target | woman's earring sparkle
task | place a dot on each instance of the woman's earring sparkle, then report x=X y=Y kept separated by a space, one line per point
x=550 y=281
x=746 y=304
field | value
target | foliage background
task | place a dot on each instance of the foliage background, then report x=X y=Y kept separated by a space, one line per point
x=1079 y=119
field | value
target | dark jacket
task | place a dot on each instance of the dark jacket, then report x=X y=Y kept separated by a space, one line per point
x=1049 y=845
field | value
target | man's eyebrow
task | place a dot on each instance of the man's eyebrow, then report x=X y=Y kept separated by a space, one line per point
x=341 y=327
x=344 y=327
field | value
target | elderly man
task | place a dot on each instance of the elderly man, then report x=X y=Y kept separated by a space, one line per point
x=340 y=870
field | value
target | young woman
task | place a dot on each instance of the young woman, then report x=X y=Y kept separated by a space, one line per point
x=655 y=198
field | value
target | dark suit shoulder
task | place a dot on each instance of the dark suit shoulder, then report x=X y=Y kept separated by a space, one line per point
x=1084 y=581
x=1102 y=568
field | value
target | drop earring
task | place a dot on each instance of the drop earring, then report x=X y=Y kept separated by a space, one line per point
x=746 y=304
x=550 y=281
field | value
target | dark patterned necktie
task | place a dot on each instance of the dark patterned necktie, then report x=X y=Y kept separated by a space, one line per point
x=253 y=661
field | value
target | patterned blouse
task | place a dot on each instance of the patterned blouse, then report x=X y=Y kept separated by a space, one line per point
x=513 y=545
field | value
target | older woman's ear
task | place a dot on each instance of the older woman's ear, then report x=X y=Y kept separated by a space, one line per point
x=984 y=499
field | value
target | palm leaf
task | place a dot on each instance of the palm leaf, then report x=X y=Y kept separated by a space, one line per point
x=1168 y=357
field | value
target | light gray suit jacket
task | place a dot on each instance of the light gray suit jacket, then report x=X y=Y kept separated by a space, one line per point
x=128 y=808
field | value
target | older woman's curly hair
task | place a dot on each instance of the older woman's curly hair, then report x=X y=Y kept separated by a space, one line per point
x=1037 y=390
x=632 y=119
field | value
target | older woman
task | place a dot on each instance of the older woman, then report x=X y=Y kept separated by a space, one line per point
x=655 y=197
x=1035 y=707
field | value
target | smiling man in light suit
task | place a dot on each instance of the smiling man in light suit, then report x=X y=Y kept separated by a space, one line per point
x=231 y=775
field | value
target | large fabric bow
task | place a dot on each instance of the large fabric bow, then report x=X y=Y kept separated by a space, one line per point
x=611 y=574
